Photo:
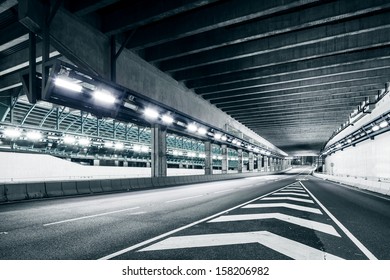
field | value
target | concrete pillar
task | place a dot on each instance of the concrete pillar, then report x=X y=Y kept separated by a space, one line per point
x=224 y=159
x=96 y=162
x=251 y=162
x=125 y=164
x=265 y=158
x=181 y=165
x=208 y=161
x=159 y=147
x=240 y=161
x=259 y=162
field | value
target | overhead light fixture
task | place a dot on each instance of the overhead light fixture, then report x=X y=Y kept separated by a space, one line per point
x=104 y=96
x=202 y=131
x=119 y=146
x=108 y=144
x=383 y=124
x=349 y=141
x=34 y=135
x=69 y=140
x=338 y=145
x=375 y=128
x=144 y=149
x=167 y=119
x=192 y=127
x=137 y=148
x=151 y=113
x=59 y=82
x=84 y=141
x=223 y=138
x=217 y=136
x=12 y=133
x=234 y=141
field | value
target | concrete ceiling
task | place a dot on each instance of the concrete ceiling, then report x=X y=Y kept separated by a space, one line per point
x=290 y=70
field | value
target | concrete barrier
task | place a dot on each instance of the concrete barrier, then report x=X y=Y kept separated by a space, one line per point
x=16 y=192
x=83 y=187
x=54 y=189
x=133 y=183
x=145 y=183
x=106 y=185
x=3 y=197
x=125 y=183
x=95 y=186
x=116 y=185
x=36 y=190
x=69 y=188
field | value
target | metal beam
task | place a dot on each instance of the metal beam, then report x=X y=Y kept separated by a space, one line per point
x=7 y=4
x=82 y=8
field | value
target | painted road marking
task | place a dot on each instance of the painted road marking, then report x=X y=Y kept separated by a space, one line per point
x=290 y=190
x=93 y=216
x=185 y=198
x=291 y=193
x=282 y=217
x=288 y=247
x=363 y=248
x=161 y=236
x=285 y=205
x=289 y=198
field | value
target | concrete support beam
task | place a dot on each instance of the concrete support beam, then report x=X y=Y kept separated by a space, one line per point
x=315 y=50
x=266 y=164
x=251 y=162
x=259 y=162
x=217 y=16
x=225 y=163
x=240 y=161
x=269 y=26
x=208 y=161
x=159 y=147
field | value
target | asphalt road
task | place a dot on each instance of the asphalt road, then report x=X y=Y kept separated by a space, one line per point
x=287 y=216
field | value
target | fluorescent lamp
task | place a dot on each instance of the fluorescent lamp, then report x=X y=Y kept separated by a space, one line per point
x=234 y=141
x=192 y=127
x=151 y=113
x=219 y=157
x=223 y=138
x=144 y=149
x=175 y=153
x=202 y=131
x=238 y=143
x=34 y=135
x=167 y=119
x=119 y=146
x=67 y=85
x=108 y=144
x=137 y=148
x=383 y=124
x=338 y=145
x=84 y=141
x=375 y=128
x=214 y=157
x=218 y=136
x=104 y=96
x=69 y=139
x=12 y=133
x=349 y=141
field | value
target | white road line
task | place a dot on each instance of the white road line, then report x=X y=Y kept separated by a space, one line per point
x=363 y=248
x=146 y=242
x=282 y=217
x=289 y=198
x=285 y=205
x=291 y=193
x=185 y=198
x=285 y=246
x=229 y=190
x=93 y=216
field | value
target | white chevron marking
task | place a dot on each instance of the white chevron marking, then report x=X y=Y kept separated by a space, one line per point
x=282 y=217
x=285 y=246
x=289 y=198
x=285 y=205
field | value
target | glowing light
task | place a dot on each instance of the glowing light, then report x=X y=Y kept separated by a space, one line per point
x=144 y=149
x=375 y=128
x=104 y=96
x=68 y=85
x=34 y=135
x=69 y=140
x=151 y=113
x=223 y=138
x=202 y=131
x=84 y=141
x=108 y=144
x=217 y=136
x=192 y=127
x=12 y=133
x=383 y=124
x=167 y=119
x=119 y=146
x=137 y=148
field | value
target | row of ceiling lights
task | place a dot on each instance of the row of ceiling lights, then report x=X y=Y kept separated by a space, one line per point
x=152 y=114
x=365 y=132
